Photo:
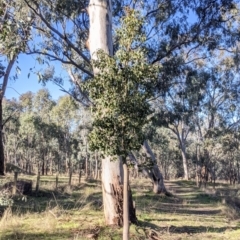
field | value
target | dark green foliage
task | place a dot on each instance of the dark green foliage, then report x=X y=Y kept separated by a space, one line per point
x=120 y=92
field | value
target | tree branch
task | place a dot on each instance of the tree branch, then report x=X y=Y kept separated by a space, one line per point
x=64 y=38
x=6 y=76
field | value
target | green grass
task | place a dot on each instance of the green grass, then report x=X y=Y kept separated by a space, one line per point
x=77 y=213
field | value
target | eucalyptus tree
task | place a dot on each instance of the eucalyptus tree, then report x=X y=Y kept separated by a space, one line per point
x=81 y=133
x=165 y=147
x=112 y=171
x=42 y=106
x=230 y=160
x=14 y=34
x=182 y=102
x=65 y=115
x=26 y=102
x=11 y=140
x=28 y=144
x=36 y=130
x=218 y=113
x=120 y=91
x=13 y=111
x=220 y=103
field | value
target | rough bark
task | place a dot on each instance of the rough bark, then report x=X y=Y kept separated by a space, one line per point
x=112 y=187
x=112 y=180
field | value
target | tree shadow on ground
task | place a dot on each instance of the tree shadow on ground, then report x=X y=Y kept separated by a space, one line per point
x=187 y=211
x=64 y=197
x=198 y=229
x=60 y=235
x=182 y=229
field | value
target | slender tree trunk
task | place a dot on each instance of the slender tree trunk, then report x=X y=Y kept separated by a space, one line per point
x=184 y=159
x=154 y=173
x=14 y=190
x=38 y=181
x=214 y=177
x=46 y=167
x=8 y=156
x=86 y=167
x=182 y=141
x=70 y=175
x=197 y=166
x=57 y=174
x=1 y=141
x=15 y=153
x=66 y=163
x=90 y=168
x=43 y=165
x=51 y=166
x=96 y=166
x=79 y=176
x=125 y=202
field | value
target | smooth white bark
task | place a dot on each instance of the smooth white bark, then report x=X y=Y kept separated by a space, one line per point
x=100 y=33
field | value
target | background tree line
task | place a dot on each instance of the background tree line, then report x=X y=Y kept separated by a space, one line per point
x=51 y=137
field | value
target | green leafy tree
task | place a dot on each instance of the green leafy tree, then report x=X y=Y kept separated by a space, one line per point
x=65 y=115
x=11 y=140
x=182 y=102
x=120 y=92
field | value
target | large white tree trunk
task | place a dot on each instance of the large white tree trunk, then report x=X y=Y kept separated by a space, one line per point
x=112 y=180
x=100 y=32
x=100 y=38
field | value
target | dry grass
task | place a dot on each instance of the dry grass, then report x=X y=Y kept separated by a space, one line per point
x=76 y=213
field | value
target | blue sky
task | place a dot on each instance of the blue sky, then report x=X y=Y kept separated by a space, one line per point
x=24 y=84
